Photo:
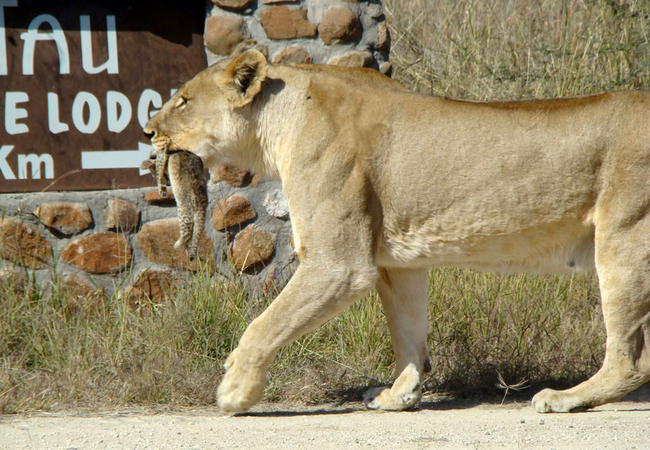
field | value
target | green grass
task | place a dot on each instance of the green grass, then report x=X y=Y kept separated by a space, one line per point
x=540 y=330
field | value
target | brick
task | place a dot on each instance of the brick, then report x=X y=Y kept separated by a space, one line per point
x=223 y=33
x=339 y=25
x=99 y=253
x=383 y=37
x=232 y=175
x=22 y=243
x=231 y=211
x=386 y=68
x=250 y=249
x=156 y=240
x=293 y=54
x=280 y=22
x=67 y=218
x=276 y=204
x=232 y=4
x=154 y=198
x=80 y=296
x=121 y=216
x=151 y=286
x=352 y=59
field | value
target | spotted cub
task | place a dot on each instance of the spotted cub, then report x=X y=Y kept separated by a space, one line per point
x=184 y=171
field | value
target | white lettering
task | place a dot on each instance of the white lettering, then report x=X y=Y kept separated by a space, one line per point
x=116 y=123
x=13 y=113
x=87 y=46
x=5 y=169
x=53 y=122
x=3 y=36
x=32 y=35
x=148 y=98
x=35 y=161
x=82 y=100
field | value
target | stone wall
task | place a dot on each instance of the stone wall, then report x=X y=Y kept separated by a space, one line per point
x=122 y=240
x=349 y=33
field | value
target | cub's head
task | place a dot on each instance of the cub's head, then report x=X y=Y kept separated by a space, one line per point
x=207 y=115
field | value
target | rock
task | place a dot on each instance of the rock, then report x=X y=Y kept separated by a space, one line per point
x=339 y=25
x=293 y=54
x=231 y=211
x=99 y=253
x=156 y=240
x=383 y=37
x=255 y=181
x=23 y=244
x=67 y=218
x=121 y=216
x=375 y=11
x=79 y=295
x=276 y=204
x=280 y=22
x=152 y=286
x=270 y=2
x=234 y=176
x=250 y=249
x=276 y=280
x=223 y=33
x=232 y=4
x=154 y=198
x=386 y=68
x=352 y=59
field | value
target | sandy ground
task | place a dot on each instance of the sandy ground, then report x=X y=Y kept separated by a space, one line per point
x=442 y=424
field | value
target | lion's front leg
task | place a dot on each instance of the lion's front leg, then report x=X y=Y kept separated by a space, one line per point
x=403 y=295
x=316 y=293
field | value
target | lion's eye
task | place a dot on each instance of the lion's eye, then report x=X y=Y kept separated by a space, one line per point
x=182 y=103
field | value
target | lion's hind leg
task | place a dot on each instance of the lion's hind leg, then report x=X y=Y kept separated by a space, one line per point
x=404 y=297
x=622 y=262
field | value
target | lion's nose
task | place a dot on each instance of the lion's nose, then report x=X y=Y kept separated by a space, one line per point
x=149 y=130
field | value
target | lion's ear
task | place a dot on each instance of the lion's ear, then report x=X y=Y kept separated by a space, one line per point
x=242 y=79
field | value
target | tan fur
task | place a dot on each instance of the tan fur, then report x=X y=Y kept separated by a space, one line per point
x=383 y=183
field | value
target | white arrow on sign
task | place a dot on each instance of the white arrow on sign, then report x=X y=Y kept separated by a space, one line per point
x=116 y=159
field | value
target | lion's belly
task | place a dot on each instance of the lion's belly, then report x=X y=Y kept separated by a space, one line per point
x=557 y=248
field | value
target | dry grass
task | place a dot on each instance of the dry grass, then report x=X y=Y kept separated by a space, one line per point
x=486 y=330
x=505 y=49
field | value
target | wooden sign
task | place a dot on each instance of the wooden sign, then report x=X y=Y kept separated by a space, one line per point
x=79 y=80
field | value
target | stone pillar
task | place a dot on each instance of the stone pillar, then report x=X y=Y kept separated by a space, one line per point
x=125 y=237
x=347 y=33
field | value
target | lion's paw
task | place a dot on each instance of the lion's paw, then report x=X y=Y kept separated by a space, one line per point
x=550 y=400
x=405 y=393
x=241 y=388
x=384 y=398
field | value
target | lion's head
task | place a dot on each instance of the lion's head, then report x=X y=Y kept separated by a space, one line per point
x=206 y=115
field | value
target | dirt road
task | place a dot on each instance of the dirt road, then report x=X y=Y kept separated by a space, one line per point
x=624 y=425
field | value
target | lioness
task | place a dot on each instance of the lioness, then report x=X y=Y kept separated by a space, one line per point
x=383 y=183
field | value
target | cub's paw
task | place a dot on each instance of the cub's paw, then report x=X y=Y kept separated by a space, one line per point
x=550 y=400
